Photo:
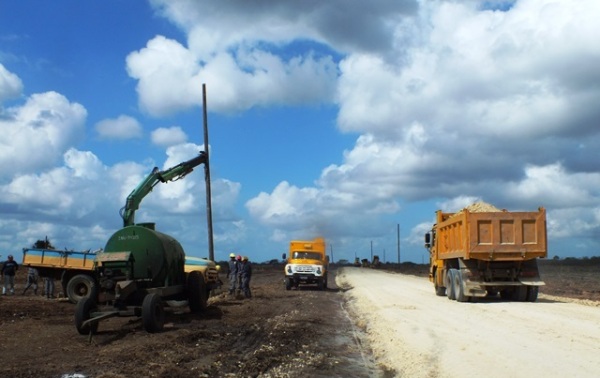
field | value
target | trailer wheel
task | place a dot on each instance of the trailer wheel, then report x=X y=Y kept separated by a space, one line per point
x=532 y=293
x=197 y=292
x=153 y=313
x=449 y=284
x=459 y=291
x=440 y=291
x=83 y=312
x=81 y=286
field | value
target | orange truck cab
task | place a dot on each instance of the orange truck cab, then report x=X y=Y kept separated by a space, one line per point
x=307 y=263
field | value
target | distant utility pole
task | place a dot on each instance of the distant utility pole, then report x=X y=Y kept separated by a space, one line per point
x=371 y=250
x=331 y=249
x=398 y=243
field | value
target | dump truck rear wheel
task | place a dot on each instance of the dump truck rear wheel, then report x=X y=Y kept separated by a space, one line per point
x=153 y=313
x=449 y=284
x=520 y=294
x=197 y=292
x=79 y=287
x=506 y=294
x=532 y=293
x=83 y=312
x=459 y=291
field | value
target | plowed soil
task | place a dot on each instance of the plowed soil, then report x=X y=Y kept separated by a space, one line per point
x=277 y=333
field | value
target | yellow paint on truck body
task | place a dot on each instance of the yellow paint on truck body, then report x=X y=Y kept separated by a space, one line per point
x=482 y=253
x=47 y=258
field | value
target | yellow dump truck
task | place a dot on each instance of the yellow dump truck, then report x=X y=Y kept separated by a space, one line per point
x=486 y=253
x=306 y=264
x=75 y=269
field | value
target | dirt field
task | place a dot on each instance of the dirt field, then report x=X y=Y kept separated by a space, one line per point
x=277 y=333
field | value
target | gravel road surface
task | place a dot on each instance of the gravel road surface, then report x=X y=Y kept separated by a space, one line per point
x=418 y=334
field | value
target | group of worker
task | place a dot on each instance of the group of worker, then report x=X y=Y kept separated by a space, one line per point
x=9 y=269
x=239 y=275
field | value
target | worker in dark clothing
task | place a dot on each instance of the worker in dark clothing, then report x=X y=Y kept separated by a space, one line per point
x=9 y=268
x=246 y=274
x=238 y=275
x=49 y=287
x=232 y=274
x=32 y=280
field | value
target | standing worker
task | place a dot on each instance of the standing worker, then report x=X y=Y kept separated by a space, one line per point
x=49 y=287
x=246 y=274
x=9 y=268
x=238 y=275
x=32 y=280
x=232 y=274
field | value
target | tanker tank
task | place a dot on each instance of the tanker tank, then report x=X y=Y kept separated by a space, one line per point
x=156 y=256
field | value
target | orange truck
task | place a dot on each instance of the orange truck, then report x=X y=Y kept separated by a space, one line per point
x=486 y=253
x=307 y=263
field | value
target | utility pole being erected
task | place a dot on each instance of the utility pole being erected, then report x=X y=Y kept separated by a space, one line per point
x=211 y=246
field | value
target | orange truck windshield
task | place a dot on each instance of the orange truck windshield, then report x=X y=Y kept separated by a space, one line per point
x=306 y=255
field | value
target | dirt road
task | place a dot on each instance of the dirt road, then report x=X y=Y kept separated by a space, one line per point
x=417 y=334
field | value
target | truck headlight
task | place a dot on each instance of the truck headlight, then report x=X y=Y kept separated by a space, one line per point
x=319 y=272
x=289 y=269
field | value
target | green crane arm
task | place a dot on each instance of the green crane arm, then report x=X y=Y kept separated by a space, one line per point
x=172 y=174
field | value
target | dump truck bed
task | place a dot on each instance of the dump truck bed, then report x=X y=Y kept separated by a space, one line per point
x=491 y=236
x=58 y=259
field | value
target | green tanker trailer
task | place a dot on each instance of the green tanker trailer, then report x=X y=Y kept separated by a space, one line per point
x=142 y=269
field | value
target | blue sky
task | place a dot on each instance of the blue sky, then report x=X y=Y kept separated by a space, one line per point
x=342 y=119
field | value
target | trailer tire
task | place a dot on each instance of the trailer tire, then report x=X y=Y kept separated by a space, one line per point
x=449 y=284
x=459 y=291
x=153 y=313
x=81 y=286
x=532 y=293
x=197 y=292
x=440 y=291
x=83 y=312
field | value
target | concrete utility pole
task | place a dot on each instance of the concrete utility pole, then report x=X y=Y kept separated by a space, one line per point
x=211 y=246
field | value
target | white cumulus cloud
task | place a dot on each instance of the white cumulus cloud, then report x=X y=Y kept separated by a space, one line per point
x=123 y=127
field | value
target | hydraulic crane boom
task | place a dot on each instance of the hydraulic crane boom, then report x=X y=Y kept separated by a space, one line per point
x=171 y=174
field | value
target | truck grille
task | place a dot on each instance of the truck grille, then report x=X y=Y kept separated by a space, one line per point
x=305 y=269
